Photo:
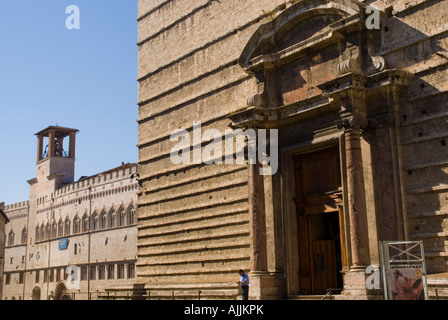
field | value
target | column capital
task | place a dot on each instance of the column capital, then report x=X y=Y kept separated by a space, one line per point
x=352 y=122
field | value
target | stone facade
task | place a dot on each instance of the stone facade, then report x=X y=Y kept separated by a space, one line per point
x=89 y=223
x=362 y=140
x=3 y=221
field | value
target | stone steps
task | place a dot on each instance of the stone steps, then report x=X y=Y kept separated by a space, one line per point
x=173 y=291
x=307 y=297
x=437 y=286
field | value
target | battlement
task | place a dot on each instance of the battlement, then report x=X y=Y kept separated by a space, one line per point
x=17 y=206
x=113 y=175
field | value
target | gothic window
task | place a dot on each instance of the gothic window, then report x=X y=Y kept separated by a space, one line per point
x=11 y=237
x=95 y=222
x=85 y=223
x=60 y=228
x=37 y=234
x=76 y=225
x=47 y=231
x=112 y=220
x=54 y=230
x=122 y=217
x=67 y=227
x=24 y=235
x=131 y=215
x=103 y=220
x=42 y=232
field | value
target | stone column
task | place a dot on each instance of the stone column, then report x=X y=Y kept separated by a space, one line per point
x=72 y=145
x=356 y=200
x=257 y=219
x=257 y=224
x=51 y=143
x=263 y=285
x=40 y=147
x=355 y=279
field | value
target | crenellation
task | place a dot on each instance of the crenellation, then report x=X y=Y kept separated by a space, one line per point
x=16 y=206
x=71 y=213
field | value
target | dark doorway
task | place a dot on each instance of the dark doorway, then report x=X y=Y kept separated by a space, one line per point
x=61 y=292
x=318 y=203
x=36 y=294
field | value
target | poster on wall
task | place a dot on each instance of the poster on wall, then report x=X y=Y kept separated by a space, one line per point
x=406 y=284
x=403 y=269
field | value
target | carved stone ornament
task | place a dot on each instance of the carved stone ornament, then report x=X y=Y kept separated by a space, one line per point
x=352 y=122
x=351 y=65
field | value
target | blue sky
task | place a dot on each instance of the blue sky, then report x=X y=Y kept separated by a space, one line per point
x=83 y=79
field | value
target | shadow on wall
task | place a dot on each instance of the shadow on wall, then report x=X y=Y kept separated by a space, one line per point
x=423 y=126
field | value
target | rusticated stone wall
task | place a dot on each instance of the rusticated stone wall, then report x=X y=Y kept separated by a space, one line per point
x=193 y=219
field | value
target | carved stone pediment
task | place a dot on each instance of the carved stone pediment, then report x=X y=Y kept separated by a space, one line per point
x=315 y=59
x=303 y=26
x=309 y=43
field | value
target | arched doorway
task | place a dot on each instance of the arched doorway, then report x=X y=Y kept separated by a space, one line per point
x=36 y=294
x=61 y=292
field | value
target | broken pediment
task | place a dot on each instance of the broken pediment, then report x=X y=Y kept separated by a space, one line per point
x=292 y=57
x=304 y=26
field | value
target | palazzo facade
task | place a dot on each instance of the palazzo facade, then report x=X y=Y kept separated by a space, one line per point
x=82 y=230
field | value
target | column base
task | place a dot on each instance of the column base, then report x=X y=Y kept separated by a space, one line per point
x=266 y=286
x=355 y=286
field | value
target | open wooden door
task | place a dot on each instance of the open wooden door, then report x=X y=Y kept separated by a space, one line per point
x=318 y=195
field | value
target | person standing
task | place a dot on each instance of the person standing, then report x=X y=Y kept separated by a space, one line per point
x=244 y=283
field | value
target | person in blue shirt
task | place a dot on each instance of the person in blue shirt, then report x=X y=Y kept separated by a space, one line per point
x=244 y=283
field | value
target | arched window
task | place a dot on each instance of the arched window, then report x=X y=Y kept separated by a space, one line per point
x=85 y=223
x=67 y=227
x=60 y=228
x=76 y=225
x=37 y=234
x=42 y=232
x=11 y=237
x=47 y=231
x=24 y=235
x=54 y=229
x=122 y=217
x=95 y=221
x=131 y=215
x=103 y=218
x=112 y=219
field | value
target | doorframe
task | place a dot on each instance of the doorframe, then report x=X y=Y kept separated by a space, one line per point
x=289 y=208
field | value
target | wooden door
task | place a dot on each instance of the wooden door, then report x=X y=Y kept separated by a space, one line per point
x=318 y=194
x=325 y=272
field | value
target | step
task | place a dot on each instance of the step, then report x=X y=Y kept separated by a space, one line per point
x=437 y=286
x=306 y=297
x=173 y=291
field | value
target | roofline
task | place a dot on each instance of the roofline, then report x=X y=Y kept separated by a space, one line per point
x=57 y=128
x=121 y=167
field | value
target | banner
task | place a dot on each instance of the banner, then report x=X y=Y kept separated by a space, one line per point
x=406 y=284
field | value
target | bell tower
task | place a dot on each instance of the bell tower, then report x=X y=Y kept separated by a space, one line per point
x=56 y=153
